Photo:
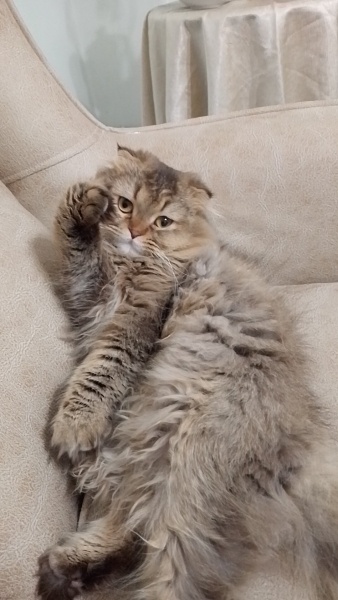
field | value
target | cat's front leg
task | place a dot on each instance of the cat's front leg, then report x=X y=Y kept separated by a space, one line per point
x=84 y=270
x=79 y=215
x=85 y=415
x=94 y=392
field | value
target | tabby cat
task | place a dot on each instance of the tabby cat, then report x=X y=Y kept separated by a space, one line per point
x=187 y=415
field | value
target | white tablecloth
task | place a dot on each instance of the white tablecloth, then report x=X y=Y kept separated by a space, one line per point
x=244 y=54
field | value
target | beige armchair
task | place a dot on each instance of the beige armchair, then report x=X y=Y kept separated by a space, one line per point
x=275 y=177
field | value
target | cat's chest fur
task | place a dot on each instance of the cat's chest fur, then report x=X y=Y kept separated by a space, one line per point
x=129 y=281
x=110 y=298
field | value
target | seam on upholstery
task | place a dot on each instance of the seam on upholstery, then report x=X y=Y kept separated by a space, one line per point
x=96 y=135
x=55 y=160
x=22 y=208
x=313 y=284
x=242 y=114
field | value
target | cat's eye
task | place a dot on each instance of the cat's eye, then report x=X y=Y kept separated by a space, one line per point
x=163 y=222
x=125 y=205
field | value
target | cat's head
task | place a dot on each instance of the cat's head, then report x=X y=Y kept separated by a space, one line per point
x=156 y=208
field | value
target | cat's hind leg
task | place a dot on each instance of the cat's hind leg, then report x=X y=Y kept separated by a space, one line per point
x=78 y=562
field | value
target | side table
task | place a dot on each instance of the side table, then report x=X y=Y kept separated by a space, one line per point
x=244 y=54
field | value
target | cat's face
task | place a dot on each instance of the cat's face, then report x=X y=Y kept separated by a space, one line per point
x=156 y=209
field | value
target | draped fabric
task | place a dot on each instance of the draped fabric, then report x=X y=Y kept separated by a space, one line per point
x=244 y=54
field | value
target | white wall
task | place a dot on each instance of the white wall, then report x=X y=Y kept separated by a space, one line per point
x=94 y=47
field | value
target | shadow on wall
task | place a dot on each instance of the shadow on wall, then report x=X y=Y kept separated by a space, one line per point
x=107 y=37
x=94 y=47
x=111 y=74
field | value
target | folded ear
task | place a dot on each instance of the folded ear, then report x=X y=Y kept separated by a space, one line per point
x=201 y=188
x=125 y=150
x=141 y=155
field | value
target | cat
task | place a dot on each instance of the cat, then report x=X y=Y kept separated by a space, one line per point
x=188 y=414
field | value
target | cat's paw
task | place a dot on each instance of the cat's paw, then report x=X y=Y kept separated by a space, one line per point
x=58 y=577
x=87 y=203
x=79 y=430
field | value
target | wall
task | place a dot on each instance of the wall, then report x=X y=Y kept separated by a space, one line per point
x=94 y=47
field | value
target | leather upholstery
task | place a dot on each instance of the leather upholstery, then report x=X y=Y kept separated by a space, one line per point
x=35 y=505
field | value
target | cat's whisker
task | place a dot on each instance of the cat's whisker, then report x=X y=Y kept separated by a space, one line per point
x=147 y=542
x=164 y=337
x=215 y=213
x=166 y=260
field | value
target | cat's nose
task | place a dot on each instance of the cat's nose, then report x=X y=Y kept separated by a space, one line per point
x=135 y=233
